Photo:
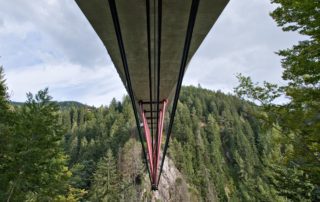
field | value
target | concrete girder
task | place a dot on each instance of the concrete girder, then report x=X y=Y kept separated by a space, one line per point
x=133 y=24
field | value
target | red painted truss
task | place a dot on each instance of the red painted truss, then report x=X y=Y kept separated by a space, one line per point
x=154 y=142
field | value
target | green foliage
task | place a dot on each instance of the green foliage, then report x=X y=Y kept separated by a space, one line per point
x=298 y=119
x=298 y=15
x=6 y=138
x=3 y=94
x=34 y=165
x=105 y=186
x=91 y=132
x=220 y=147
x=40 y=133
x=217 y=144
x=291 y=183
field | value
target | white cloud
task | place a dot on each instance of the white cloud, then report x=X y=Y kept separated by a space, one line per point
x=94 y=86
x=51 y=44
x=60 y=28
x=243 y=40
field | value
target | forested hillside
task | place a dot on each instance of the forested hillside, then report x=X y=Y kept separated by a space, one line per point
x=73 y=152
x=222 y=147
x=221 y=150
x=217 y=145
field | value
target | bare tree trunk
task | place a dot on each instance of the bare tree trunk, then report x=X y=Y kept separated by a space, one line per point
x=11 y=192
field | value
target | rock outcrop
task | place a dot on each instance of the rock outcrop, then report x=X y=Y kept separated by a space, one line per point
x=172 y=186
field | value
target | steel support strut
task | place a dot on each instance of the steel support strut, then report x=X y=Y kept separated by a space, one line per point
x=115 y=19
x=153 y=147
x=184 y=59
x=160 y=131
x=148 y=139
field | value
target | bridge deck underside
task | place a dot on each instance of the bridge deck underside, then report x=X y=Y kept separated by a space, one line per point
x=133 y=24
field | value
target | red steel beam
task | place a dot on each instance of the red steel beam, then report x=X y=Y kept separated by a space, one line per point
x=148 y=138
x=160 y=128
x=153 y=149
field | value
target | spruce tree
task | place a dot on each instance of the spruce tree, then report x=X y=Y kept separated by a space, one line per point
x=3 y=95
x=105 y=185
x=6 y=138
x=35 y=165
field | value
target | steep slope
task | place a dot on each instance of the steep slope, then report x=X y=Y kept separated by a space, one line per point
x=217 y=153
x=172 y=187
x=220 y=148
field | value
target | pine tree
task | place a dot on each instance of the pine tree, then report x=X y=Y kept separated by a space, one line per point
x=105 y=185
x=291 y=183
x=36 y=170
x=6 y=139
x=3 y=95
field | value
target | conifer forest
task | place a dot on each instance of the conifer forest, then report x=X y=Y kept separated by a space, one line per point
x=241 y=146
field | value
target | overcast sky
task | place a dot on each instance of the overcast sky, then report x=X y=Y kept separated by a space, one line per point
x=51 y=44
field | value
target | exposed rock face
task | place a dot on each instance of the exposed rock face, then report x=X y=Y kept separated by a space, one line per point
x=172 y=186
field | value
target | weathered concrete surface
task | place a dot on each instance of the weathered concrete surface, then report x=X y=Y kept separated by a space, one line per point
x=133 y=24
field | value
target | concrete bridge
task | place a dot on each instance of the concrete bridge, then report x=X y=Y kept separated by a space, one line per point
x=151 y=43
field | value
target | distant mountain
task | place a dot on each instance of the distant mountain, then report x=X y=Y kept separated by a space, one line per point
x=63 y=104
x=16 y=103
x=72 y=103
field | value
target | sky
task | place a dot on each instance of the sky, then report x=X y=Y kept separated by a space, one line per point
x=51 y=44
